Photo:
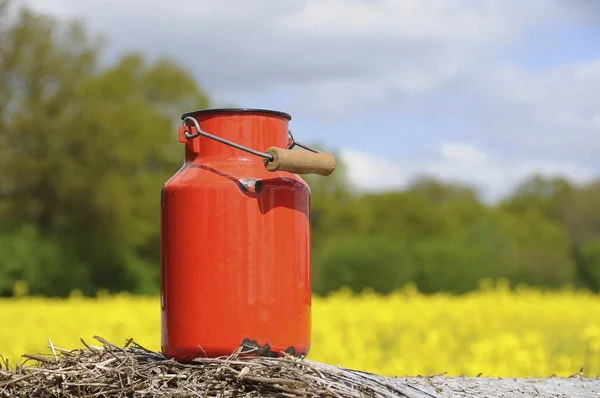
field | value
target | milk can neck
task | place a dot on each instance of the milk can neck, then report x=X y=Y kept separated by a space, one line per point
x=237 y=137
x=251 y=150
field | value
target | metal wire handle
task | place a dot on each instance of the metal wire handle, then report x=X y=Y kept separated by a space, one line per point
x=296 y=143
x=267 y=156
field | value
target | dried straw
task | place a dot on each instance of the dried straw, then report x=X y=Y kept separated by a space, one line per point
x=133 y=371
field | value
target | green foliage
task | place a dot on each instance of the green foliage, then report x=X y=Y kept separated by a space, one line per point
x=28 y=256
x=590 y=263
x=375 y=261
x=442 y=238
x=85 y=149
x=573 y=210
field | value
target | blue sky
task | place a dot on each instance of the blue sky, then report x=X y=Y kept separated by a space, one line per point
x=485 y=92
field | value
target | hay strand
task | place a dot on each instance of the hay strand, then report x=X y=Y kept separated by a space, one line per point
x=134 y=371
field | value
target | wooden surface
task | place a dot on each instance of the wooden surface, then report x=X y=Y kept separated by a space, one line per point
x=441 y=387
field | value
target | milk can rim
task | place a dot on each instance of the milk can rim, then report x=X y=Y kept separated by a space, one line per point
x=236 y=110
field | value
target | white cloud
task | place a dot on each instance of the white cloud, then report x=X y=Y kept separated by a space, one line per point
x=494 y=175
x=423 y=58
x=463 y=154
x=553 y=113
x=359 y=52
x=369 y=172
x=335 y=57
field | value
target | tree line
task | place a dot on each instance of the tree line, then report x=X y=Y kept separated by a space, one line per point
x=442 y=237
x=85 y=148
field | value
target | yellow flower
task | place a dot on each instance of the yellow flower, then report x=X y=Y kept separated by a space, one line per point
x=494 y=331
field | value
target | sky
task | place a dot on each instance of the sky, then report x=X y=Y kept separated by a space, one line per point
x=483 y=92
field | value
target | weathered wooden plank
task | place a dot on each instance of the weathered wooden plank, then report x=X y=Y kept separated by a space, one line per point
x=463 y=387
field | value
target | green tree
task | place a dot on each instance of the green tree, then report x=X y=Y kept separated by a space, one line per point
x=332 y=198
x=539 y=253
x=359 y=261
x=572 y=207
x=443 y=238
x=546 y=195
x=85 y=150
x=590 y=263
x=581 y=219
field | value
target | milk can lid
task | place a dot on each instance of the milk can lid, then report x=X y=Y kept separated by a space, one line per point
x=236 y=110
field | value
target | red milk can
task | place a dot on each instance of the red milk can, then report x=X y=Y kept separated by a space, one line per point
x=235 y=237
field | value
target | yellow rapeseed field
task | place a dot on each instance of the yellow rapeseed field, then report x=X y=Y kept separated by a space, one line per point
x=493 y=331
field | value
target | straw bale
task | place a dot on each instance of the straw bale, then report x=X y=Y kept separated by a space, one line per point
x=108 y=370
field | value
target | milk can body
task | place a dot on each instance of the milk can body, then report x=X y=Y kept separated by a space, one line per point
x=235 y=240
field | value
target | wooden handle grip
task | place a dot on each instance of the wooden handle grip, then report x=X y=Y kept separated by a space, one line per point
x=300 y=161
